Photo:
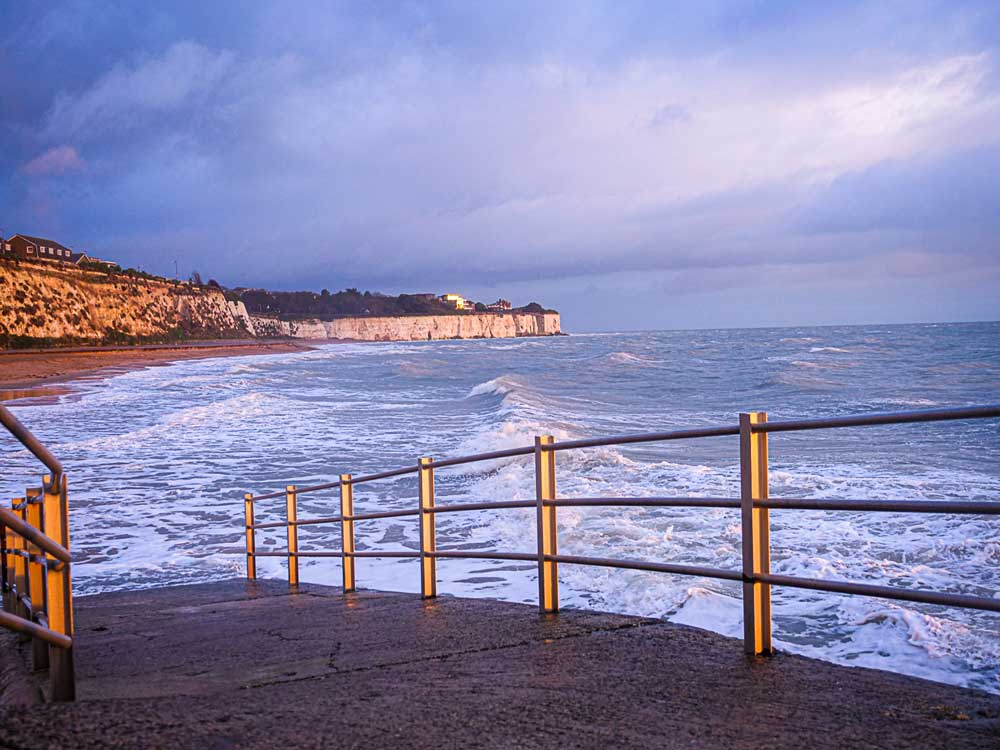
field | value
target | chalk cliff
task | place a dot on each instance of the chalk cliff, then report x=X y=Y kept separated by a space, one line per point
x=50 y=303
x=414 y=327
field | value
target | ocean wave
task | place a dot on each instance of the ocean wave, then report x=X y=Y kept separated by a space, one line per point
x=799 y=381
x=498 y=386
x=630 y=359
x=836 y=349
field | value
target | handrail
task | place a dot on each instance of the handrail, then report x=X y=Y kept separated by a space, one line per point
x=33 y=535
x=754 y=503
x=33 y=444
x=21 y=625
x=35 y=564
x=863 y=420
x=651 y=437
x=928 y=415
x=970 y=507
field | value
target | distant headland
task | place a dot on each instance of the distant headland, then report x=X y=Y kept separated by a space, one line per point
x=54 y=296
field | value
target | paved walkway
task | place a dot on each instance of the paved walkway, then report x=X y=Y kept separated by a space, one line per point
x=244 y=665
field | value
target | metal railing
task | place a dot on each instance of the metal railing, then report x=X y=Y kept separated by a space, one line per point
x=754 y=505
x=35 y=567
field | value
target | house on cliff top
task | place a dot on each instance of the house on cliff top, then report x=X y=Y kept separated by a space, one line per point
x=39 y=248
x=460 y=302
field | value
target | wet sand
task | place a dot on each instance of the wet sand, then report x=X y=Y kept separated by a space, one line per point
x=41 y=373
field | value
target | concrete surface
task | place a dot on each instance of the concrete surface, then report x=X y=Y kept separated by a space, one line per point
x=250 y=665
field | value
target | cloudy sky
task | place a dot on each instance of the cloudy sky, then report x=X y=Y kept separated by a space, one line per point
x=637 y=165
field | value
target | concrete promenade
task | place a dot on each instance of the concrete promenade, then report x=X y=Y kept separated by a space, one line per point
x=249 y=665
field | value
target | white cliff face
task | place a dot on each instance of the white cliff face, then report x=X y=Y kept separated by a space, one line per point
x=415 y=327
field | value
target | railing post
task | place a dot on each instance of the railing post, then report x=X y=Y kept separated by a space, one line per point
x=756 y=535
x=548 y=533
x=428 y=530
x=292 y=517
x=18 y=568
x=347 y=532
x=59 y=591
x=251 y=537
x=36 y=579
x=4 y=577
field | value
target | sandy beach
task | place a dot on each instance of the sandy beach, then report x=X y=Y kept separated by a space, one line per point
x=32 y=373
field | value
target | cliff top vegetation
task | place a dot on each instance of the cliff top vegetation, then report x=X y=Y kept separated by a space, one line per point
x=352 y=302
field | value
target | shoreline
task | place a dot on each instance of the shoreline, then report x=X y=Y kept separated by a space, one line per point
x=34 y=373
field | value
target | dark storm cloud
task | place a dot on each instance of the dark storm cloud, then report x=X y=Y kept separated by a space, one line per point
x=474 y=145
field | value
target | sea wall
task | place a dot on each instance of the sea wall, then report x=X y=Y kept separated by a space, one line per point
x=414 y=327
x=53 y=303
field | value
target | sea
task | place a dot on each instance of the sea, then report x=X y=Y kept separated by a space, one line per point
x=159 y=459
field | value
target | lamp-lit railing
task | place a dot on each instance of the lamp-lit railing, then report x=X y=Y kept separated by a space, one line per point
x=754 y=505
x=35 y=567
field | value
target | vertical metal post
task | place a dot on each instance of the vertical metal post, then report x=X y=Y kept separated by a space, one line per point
x=347 y=532
x=545 y=489
x=292 y=516
x=18 y=569
x=428 y=530
x=756 y=535
x=59 y=591
x=36 y=580
x=251 y=537
x=4 y=579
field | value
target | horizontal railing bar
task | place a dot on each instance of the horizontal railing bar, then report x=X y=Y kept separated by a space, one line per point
x=376 y=553
x=269 y=525
x=884 y=592
x=267 y=554
x=644 y=502
x=456 y=507
x=383 y=514
x=338 y=519
x=651 y=437
x=316 y=487
x=462 y=555
x=268 y=496
x=933 y=415
x=314 y=521
x=684 y=570
x=508 y=453
x=33 y=535
x=37 y=559
x=967 y=507
x=29 y=441
x=319 y=554
x=861 y=420
x=385 y=474
x=20 y=625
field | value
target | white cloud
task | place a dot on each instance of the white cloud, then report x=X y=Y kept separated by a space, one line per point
x=181 y=79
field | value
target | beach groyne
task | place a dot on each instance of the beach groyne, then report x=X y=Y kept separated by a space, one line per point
x=413 y=327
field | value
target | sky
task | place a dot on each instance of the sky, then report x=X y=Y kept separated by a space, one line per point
x=637 y=165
